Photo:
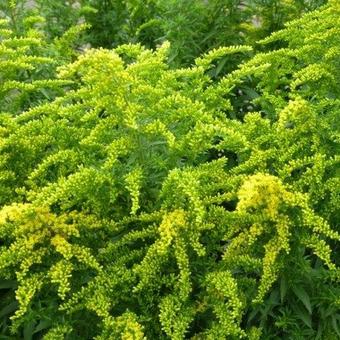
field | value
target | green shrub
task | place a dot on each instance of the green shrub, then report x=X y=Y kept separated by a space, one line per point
x=192 y=27
x=272 y=15
x=155 y=202
x=28 y=63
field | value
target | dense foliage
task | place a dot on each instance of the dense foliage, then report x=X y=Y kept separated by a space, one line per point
x=192 y=27
x=28 y=64
x=143 y=201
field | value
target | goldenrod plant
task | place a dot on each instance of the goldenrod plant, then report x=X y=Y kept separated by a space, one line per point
x=193 y=27
x=28 y=62
x=271 y=15
x=152 y=202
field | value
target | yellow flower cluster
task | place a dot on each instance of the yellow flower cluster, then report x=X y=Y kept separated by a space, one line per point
x=227 y=306
x=261 y=192
x=133 y=180
x=124 y=327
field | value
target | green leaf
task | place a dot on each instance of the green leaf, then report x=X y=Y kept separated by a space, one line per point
x=6 y=284
x=220 y=66
x=251 y=92
x=335 y=325
x=43 y=324
x=28 y=330
x=303 y=296
x=303 y=315
x=283 y=288
x=274 y=297
x=9 y=309
x=252 y=314
x=45 y=93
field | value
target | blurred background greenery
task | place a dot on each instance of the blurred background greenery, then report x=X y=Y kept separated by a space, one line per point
x=191 y=26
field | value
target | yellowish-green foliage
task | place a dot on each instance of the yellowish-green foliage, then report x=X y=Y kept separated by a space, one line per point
x=149 y=203
x=28 y=64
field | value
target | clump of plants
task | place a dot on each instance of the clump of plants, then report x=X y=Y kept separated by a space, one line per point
x=155 y=202
x=193 y=27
